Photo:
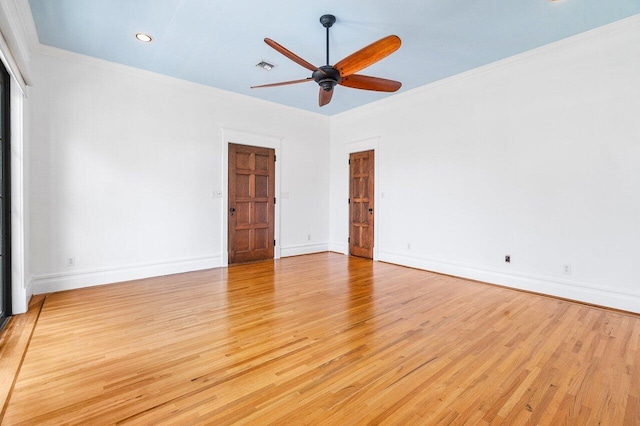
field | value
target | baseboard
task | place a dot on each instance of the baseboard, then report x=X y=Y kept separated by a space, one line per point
x=78 y=279
x=29 y=289
x=339 y=248
x=566 y=289
x=303 y=249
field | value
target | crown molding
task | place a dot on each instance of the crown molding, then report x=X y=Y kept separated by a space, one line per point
x=630 y=23
x=21 y=36
x=163 y=79
x=21 y=22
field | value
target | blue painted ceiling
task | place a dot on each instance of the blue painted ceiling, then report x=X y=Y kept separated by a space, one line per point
x=218 y=42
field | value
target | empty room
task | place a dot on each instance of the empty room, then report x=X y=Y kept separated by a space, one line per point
x=286 y=212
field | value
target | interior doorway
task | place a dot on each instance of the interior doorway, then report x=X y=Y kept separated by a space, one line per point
x=5 y=196
x=361 y=203
x=251 y=213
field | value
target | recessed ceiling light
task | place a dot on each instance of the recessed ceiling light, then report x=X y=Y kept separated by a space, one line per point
x=146 y=38
x=265 y=65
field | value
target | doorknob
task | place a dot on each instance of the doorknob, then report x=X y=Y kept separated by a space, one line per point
x=370 y=210
x=232 y=210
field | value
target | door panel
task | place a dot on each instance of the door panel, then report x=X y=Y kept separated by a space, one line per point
x=361 y=202
x=251 y=203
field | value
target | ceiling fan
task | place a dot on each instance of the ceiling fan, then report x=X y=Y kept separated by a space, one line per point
x=343 y=72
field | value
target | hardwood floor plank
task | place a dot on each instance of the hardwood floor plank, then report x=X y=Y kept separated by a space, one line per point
x=14 y=341
x=324 y=339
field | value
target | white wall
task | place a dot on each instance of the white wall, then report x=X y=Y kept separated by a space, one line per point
x=537 y=157
x=124 y=162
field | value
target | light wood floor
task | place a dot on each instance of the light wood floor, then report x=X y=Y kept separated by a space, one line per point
x=324 y=339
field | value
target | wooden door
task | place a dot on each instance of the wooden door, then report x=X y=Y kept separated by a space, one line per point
x=251 y=203
x=361 y=204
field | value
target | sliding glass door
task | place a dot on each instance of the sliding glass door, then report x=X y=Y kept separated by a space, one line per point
x=5 y=198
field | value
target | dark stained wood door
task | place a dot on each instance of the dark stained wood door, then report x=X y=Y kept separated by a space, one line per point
x=251 y=203
x=361 y=204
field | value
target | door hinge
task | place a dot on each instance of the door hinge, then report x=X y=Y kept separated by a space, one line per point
x=274 y=242
x=349 y=239
x=274 y=200
x=274 y=158
x=349 y=160
x=348 y=200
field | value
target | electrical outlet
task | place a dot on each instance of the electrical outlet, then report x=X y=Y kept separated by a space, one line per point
x=566 y=268
x=408 y=246
x=308 y=237
x=507 y=258
x=71 y=261
x=216 y=193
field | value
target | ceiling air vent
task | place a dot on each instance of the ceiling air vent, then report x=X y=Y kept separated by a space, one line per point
x=265 y=65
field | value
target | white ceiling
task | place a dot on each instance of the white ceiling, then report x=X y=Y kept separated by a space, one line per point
x=218 y=42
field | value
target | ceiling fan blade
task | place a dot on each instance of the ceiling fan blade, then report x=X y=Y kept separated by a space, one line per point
x=324 y=97
x=284 y=83
x=364 y=82
x=368 y=55
x=289 y=54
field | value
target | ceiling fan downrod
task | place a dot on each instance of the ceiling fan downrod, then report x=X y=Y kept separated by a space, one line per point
x=327 y=76
x=327 y=21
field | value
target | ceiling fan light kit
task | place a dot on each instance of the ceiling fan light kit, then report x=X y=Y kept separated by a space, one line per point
x=343 y=72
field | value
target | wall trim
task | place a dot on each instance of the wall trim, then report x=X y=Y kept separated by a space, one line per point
x=585 y=37
x=164 y=79
x=50 y=283
x=7 y=58
x=339 y=248
x=19 y=207
x=21 y=34
x=566 y=289
x=300 y=249
x=25 y=22
x=29 y=288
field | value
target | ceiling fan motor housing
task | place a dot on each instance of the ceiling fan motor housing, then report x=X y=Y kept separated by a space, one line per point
x=327 y=77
